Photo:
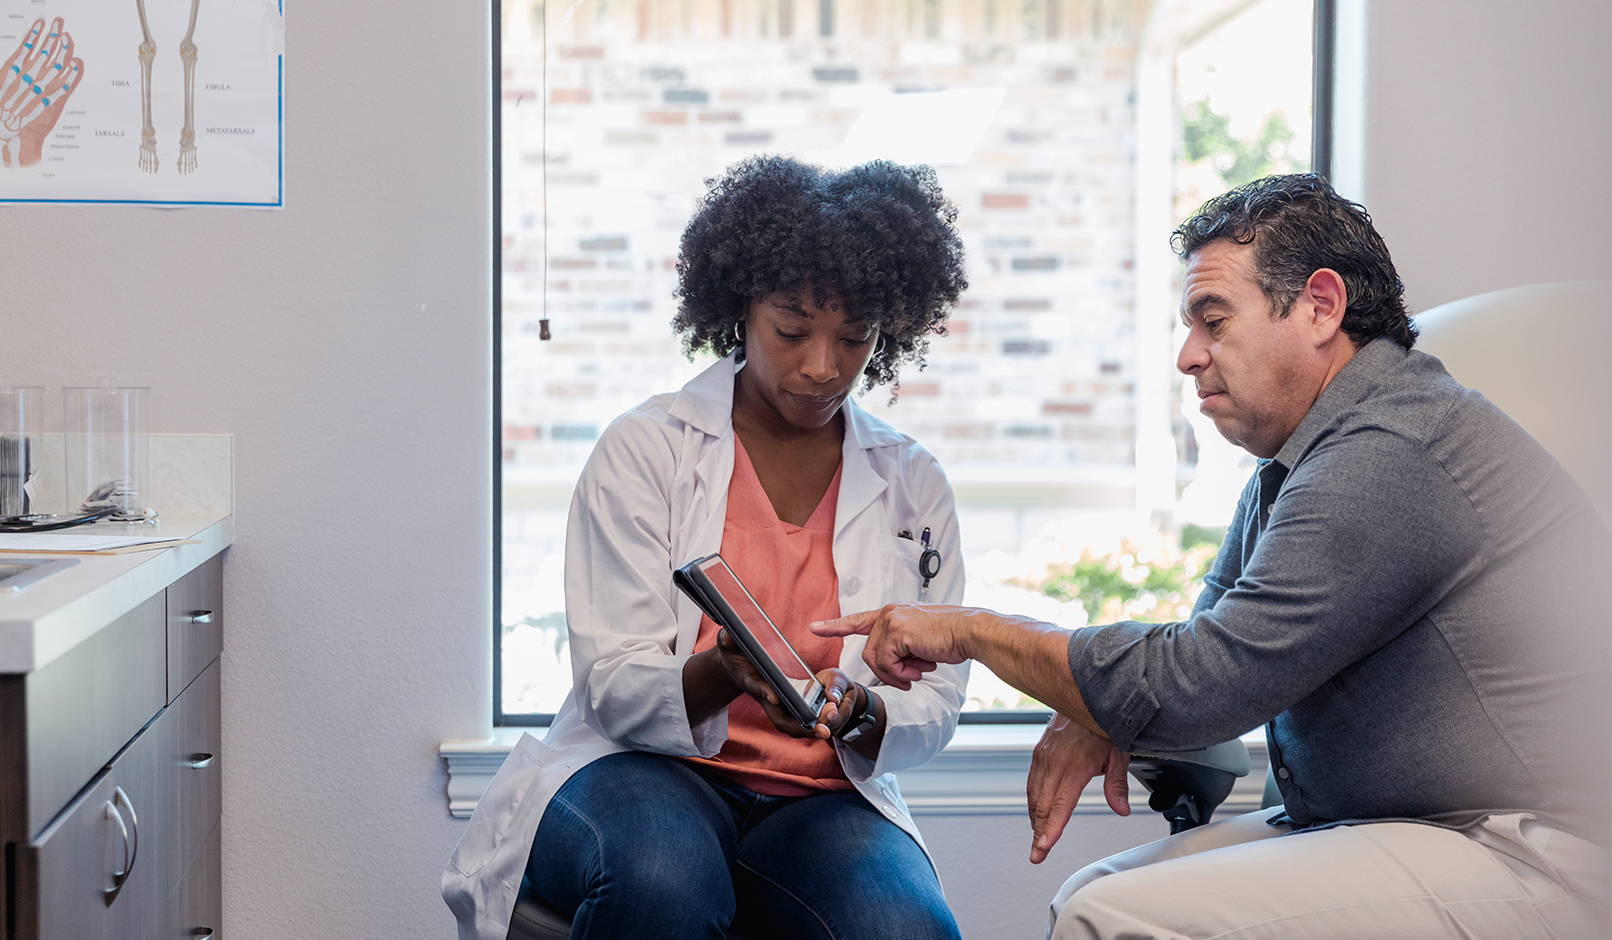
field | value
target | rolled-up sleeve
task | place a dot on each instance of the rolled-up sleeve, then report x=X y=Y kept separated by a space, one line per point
x=1368 y=533
x=618 y=591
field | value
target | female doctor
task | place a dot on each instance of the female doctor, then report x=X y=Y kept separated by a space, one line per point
x=673 y=796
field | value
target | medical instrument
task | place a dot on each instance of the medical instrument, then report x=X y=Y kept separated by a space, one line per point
x=928 y=566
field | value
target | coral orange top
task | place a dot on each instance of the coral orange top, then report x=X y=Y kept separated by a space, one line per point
x=789 y=570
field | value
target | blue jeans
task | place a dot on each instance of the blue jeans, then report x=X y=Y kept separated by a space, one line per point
x=643 y=845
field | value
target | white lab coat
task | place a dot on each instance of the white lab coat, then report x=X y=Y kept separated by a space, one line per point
x=653 y=497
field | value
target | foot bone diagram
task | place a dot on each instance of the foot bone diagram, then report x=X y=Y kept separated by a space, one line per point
x=35 y=84
x=148 y=131
x=187 y=136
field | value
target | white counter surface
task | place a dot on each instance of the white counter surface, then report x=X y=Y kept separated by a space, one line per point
x=39 y=624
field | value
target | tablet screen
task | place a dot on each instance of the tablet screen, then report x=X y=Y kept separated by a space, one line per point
x=728 y=602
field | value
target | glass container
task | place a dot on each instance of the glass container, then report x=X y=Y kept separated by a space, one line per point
x=107 y=448
x=20 y=436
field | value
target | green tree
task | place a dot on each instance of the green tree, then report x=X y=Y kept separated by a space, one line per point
x=1206 y=135
x=1151 y=582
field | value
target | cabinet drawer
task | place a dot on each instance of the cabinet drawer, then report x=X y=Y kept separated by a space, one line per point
x=85 y=706
x=198 y=907
x=195 y=762
x=195 y=623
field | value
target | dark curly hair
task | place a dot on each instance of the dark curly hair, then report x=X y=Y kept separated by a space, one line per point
x=879 y=237
x=1298 y=225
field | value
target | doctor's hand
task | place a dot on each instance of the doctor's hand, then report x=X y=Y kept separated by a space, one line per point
x=1065 y=759
x=744 y=675
x=905 y=641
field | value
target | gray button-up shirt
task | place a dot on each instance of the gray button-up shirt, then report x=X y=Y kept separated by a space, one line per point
x=1412 y=597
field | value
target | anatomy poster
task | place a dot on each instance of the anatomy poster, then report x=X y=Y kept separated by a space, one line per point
x=145 y=102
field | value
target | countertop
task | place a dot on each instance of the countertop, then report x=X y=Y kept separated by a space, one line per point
x=43 y=622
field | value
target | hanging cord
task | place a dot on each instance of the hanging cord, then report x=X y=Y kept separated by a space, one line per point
x=543 y=139
x=543 y=324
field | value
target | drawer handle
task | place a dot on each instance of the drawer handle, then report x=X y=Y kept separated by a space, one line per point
x=118 y=877
x=200 y=616
x=131 y=837
x=201 y=933
x=200 y=761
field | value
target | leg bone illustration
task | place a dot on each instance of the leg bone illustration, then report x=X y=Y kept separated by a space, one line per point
x=148 y=132
x=187 y=137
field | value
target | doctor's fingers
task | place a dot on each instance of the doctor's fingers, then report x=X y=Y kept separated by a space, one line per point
x=785 y=721
x=836 y=683
x=837 y=686
x=741 y=671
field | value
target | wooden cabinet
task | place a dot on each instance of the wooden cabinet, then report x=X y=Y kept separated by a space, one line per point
x=110 y=794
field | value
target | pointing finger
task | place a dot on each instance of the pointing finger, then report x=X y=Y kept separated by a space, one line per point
x=859 y=623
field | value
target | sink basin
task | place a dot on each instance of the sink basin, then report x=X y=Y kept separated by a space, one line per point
x=18 y=574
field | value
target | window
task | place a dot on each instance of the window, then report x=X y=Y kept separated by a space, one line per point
x=1055 y=375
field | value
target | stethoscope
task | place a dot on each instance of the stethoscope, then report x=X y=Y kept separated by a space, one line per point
x=928 y=563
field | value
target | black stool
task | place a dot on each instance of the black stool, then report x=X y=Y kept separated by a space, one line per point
x=535 y=920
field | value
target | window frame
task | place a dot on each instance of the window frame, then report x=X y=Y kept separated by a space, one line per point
x=1324 y=46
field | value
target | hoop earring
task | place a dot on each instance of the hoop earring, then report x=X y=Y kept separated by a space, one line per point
x=738 y=331
x=883 y=342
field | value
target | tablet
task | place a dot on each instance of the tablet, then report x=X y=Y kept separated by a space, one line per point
x=711 y=584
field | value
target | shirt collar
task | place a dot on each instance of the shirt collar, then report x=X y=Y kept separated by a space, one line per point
x=1363 y=372
x=706 y=403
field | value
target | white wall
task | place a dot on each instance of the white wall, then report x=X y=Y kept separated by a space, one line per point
x=1489 y=142
x=344 y=341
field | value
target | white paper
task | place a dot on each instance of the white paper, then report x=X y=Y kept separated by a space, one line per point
x=72 y=542
x=89 y=127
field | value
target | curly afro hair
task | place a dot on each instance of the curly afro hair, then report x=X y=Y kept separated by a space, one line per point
x=879 y=237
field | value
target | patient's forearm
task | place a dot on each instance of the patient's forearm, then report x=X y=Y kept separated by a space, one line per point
x=1030 y=656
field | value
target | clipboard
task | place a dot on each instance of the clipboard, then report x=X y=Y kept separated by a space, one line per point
x=711 y=584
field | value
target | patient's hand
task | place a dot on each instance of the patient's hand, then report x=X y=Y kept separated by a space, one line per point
x=1064 y=761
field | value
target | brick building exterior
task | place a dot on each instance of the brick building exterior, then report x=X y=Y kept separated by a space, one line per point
x=1029 y=401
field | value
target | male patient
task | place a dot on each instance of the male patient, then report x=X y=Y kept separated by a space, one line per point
x=1408 y=599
